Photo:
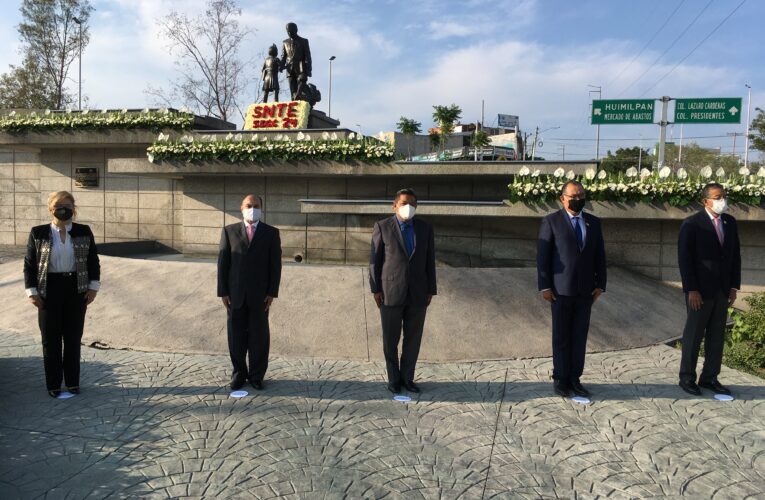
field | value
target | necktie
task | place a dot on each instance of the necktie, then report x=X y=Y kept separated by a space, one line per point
x=406 y=232
x=578 y=231
x=249 y=232
x=718 y=229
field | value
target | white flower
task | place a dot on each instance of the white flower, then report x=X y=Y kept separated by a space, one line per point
x=589 y=173
x=68 y=110
x=307 y=137
x=720 y=172
x=263 y=138
x=524 y=171
x=85 y=111
x=644 y=172
x=300 y=136
x=150 y=157
x=47 y=111
x=123 y=110
x=254 y=138
x=333 y=136
x=602 y=174
x=12 y=113
x=325 y=136
x=682 y=173
x=104 y=111
x=535 y=173
x=631 y=172
x=229 y=136
x=664 y=172
x=278 y=137
x=238 y=137
x=559 y=172
x=706 y=172
x=351 y=136
x=145 y=110
x=743 y=171
x=761 y=172
x=163 y=137
x=570 y=175
x=187 y=139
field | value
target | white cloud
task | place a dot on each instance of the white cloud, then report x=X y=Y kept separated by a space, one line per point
x=439 y=30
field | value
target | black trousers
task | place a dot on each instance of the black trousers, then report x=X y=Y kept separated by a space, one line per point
x=248 y=332
x=412 y=319
x=570 y=324
x=61 y=321
x=708 y=324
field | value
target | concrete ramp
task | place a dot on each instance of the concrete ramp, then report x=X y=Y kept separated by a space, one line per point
x=328 y=312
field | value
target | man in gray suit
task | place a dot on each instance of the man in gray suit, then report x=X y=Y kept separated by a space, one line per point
x=402 y=275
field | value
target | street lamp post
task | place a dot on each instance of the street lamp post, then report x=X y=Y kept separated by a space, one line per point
x=597 y=133
x=79 y=80
x=329 y=111
x=748 y=110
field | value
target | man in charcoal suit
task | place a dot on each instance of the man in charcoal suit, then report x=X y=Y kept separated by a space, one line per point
x=402 y=275
x=249 y=272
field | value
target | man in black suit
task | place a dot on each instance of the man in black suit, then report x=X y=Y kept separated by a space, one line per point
x=296 y=60
x=249 y=271
x=402 y=275
x=709 y=256
x=571 y=271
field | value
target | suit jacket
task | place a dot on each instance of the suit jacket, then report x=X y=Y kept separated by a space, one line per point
x=561 y=266
x=705 y=265
x=402 y=279
x=296 y=56
x=87 y=264
x=249 y=269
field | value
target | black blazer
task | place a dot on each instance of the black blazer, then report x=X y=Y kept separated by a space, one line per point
x=38 y=252
x=402 y=279
x=561 y=266
x=252 y=269
x=705 y=265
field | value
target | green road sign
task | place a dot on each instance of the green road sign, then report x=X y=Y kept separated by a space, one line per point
x=708 y=110
x=622 y=111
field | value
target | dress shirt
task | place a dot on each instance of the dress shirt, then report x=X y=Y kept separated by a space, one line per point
x=712 y=217
x=254 y=226
x=408 y=236
x=581 y=224
x=62 y=257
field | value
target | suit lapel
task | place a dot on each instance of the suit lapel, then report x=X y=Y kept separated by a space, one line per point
x=566 y=220
x=241 y=234
x=397 y=232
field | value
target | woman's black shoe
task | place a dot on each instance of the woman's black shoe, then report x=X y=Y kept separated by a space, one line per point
x=73 y=390
x=54 y=393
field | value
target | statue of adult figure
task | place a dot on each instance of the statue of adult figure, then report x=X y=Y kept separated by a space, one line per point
x=296 y=60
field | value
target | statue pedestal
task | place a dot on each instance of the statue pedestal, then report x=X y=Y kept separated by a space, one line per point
x=319 y=120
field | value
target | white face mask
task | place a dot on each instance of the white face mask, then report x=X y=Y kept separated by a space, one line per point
x=251 y=214
x=720 y=206
x=406 y=212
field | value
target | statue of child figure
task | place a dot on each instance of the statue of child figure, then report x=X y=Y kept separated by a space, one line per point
x=270 y=74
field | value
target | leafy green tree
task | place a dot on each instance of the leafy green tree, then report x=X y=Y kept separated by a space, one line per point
x=445 y=117
x=480 y=140
x=694 y=158
x=27 y=86
x=409 y=128
x=757 y=129
x=625 y=158
x=435 y=140
x=52 y=39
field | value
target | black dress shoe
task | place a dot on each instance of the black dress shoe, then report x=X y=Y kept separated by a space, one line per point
x=236 y=384
x=257 y=385
x=690 y=387
x=715 y=386
x=412 y=387
x=394 y=388
x=73 y=390
x=562 y=388
x=54 y=393
x=578 y=389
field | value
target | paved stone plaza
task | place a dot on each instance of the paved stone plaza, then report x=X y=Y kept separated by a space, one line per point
x=155 y=425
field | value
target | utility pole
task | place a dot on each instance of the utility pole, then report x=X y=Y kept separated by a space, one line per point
x=482 y=109
x=640 y=153
x=597 y=128
x=534 y=146
x=563 y=154
x=680 y=150
x=734 y=134
x=329 y=105
x=748 y=109
x=663 y=132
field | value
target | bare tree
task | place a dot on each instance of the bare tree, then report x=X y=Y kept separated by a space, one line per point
x=212 y=78
x=51 y=39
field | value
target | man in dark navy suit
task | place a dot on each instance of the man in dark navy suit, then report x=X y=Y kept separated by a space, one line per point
x=571 y=271
x=709 y=256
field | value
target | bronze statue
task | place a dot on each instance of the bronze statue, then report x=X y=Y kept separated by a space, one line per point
x=296 y=60
x=270 y=74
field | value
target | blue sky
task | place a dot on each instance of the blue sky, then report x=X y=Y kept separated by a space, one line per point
x=532 y=58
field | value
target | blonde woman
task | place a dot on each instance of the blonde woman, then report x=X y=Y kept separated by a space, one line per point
x=61 y=276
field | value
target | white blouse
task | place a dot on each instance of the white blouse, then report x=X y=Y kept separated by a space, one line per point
x=62 y=257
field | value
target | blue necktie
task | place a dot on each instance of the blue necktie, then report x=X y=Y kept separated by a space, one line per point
x=406 y=231
x=578 y=231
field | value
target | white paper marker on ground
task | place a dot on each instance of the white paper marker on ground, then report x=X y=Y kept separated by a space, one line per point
x=723 y=397
x=401 y=397
x=239 y=394
x=65 y=395
x=581 y=400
